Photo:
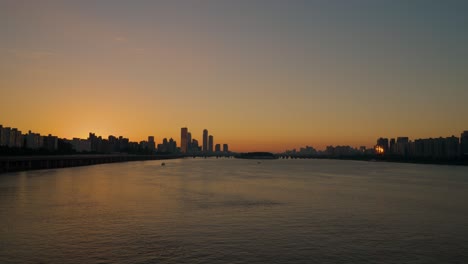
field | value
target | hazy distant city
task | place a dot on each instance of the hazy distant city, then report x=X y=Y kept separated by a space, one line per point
x=14 y=142
x=437 y=149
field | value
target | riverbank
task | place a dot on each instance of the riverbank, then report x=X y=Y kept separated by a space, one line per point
x=375 y=158
x=23 y=163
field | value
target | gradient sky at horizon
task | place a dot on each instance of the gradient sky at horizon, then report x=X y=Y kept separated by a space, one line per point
x=259 y=75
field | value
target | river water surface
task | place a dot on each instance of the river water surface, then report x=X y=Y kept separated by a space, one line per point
x=236 y=211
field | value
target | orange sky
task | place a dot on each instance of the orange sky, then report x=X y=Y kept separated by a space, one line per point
x=268 y=77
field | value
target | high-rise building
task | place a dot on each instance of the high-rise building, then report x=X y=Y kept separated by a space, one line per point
x=81 y=145
x=210 y=143
x=12 y=140
x=464 y=144
x=218 y=148
x=6 y=136
x=392 y=146
x=32 y=140
x=382 y=144
x=451 y=147
x=402 y=146
x=195 y=147
x=225 y=148
x=50 y=142
x=151 y=143
x=189 y=142
x=183 y=140
x=205 y=140
x=172 y=146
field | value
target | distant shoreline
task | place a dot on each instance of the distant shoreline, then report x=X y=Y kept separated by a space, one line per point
x=386 y=159
x=39 y=162
x=25 y=163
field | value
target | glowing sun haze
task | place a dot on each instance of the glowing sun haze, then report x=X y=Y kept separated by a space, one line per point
x=259 y=75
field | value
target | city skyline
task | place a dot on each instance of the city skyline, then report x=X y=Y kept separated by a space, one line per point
x=440 y=146
x=13 y=140
x=265 y=75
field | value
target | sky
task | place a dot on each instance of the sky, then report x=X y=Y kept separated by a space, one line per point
x=259 y=75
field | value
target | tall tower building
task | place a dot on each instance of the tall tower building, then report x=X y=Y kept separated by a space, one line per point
x=225 y=148
x=183 y=139
x=210 y=143
x=205 y=140
x=189 y=142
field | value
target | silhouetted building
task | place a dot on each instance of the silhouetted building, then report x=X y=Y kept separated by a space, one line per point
x=183 y=140
x=143 y=145
x=189 y=142
x=205 y=140
x=435 y=148
x=218 y=148
x=464 y=144
x=392 y=147
x=452 y=147
x=163 y=147
x=124 y=144
x=95 y=142
x=80 y=145
x=114 y=145
x=340 y=151
x=225 y=148
x=167 y=146
x=50 y=142
x=210 y=143
x=151 y=143
x=402 y=144
x=382 y=146
x=18 y=139
x=12 y=140
x=33 y=140
x=6 y=136
x=195 y=147
x=172 y=146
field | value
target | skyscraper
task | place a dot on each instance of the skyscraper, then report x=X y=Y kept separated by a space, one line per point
x=189 y=142
x=205 y=140
x=210 y=143
x=225 y=148
x=183 y=140
x=218 y=148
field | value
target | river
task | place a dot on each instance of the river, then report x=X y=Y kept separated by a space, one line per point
x=236 y=211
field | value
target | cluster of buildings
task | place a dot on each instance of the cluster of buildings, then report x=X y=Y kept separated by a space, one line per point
x=14 y=138
x=444 y=149
x=448 y=148
x=330 y=151
x=191 y=146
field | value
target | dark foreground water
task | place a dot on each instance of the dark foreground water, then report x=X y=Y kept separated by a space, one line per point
x=236 y=211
